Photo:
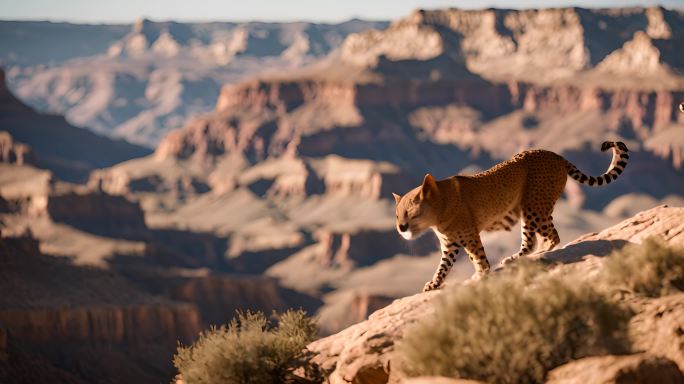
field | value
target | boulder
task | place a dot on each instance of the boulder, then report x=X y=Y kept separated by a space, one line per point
x=658 y=328
x=630 y=369
x=364 y=353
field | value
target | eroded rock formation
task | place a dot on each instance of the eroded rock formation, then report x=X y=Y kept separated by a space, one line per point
x=14 y=153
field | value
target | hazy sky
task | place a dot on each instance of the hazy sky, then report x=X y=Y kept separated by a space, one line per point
x=272 y=10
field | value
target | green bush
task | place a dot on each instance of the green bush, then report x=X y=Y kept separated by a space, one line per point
x=248 y=350
x=652 y=268
x=513 y=328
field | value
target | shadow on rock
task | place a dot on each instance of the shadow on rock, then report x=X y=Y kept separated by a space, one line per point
x=574 y=253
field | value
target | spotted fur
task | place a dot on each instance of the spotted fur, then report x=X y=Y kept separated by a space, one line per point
x=524 y=188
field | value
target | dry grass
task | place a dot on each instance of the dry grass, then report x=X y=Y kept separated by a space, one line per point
x=514 y=328
x=248 y=350
x=651 y=269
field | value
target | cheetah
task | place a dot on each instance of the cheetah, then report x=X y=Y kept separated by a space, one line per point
x=523 y=188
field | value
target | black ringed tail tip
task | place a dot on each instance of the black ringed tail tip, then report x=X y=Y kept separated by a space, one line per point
x=617 y=166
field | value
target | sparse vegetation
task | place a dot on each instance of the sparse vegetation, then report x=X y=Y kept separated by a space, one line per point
x=248 y=350
x=514 y=327
x=651 y=269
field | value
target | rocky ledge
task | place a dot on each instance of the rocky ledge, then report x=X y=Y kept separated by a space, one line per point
x=364 y=353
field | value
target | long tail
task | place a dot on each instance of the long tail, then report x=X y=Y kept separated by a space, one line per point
x=617 y=165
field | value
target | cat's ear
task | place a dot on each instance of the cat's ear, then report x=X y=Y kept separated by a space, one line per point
x=429 y=187
x=397 y=198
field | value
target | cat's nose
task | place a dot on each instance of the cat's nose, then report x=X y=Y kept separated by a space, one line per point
x=403 y=227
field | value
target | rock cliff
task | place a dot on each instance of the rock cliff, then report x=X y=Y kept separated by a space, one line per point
x=60 y=302
x=80 y=151
x=14 y=153
x=54 y=312
x=96 y=212
x=508 y=44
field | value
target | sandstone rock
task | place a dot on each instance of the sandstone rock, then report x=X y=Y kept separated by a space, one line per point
x=339 y=251
x=658 y=28
x=668 y=144
x=26 y=187
x=403 y=40
x=13 y=152
x=658 y=328
x=347 y=308
x=312 y=117
x=52 y=300
x=362 y=247
x=627 y=369
x=364 y=352
x=638 y=57
x=664 y=222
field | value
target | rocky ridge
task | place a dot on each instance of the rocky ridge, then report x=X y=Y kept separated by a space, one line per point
x=504 y=45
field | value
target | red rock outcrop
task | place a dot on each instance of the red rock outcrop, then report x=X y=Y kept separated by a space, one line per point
x=349 y=308
x=364 y=247
x=52 y=301
x=97 y=212
x=509 y=43
x=262 y=118
x=334 y=176
x=14 y=153
x=658 y=328
x=647 y=111
x=668 y=143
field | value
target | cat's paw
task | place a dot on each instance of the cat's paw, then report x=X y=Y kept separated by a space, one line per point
x=509 y=259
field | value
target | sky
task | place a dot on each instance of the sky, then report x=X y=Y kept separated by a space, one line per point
x=126 y=11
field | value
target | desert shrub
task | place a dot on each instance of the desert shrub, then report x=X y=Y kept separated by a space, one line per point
x=248 y=350
x=513 y=328
x=652 y=268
